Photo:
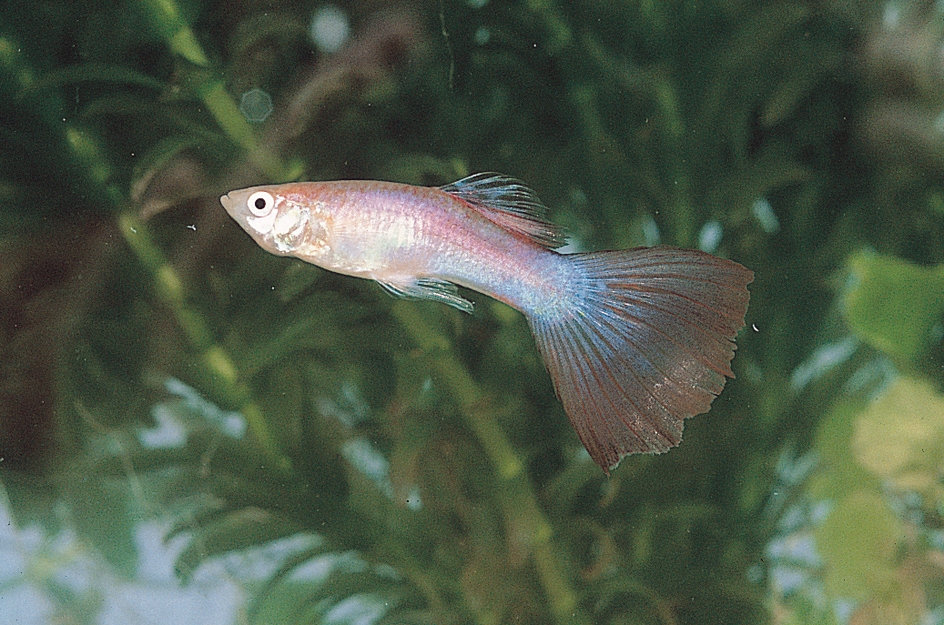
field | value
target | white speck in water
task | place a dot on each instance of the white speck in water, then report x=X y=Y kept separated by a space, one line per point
x=256 y=105
x=330 y=28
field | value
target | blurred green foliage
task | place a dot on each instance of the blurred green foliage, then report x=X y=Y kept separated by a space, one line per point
x=894 y=305
x=158 y=366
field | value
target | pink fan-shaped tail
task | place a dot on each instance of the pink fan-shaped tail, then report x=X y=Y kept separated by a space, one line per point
x=648 y=343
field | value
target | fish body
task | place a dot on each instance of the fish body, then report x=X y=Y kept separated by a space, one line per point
x=400 y=234
x=635 y=340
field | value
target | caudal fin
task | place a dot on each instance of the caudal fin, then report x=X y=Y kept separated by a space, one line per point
x=648 y=342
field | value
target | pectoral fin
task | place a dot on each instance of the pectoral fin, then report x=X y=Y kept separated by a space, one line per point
x=428 y=288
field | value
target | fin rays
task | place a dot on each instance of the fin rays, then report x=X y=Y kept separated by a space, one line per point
x=509 y=203
x=714 y=347
x=647 y=343
x=429 y=289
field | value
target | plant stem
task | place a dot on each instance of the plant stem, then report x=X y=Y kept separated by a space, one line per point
x=86 y=159
x=515 y=494
x=167 y=21
x=679 y=213
x=216 y=364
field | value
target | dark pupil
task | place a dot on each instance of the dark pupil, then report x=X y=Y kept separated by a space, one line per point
x=260 y=203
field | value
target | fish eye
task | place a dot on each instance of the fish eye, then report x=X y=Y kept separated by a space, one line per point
x=260 y=203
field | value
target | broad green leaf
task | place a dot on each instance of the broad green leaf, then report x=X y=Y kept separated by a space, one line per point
x=840 y=473
x=900 y=435
x=858 y=542
x=892 y=304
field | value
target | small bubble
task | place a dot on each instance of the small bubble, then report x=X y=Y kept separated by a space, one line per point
x=256 y=105
x=330 y=28
x=482 y=35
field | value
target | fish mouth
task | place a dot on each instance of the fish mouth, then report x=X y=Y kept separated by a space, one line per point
x=225 y=201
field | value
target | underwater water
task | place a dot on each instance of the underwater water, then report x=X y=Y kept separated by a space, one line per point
x=194 y=430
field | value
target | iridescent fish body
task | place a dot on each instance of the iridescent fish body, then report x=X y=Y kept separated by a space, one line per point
x=635 y=340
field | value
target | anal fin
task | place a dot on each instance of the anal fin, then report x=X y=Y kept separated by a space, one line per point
x=428 y=289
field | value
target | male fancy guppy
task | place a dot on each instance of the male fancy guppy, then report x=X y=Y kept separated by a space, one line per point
x=635 y=340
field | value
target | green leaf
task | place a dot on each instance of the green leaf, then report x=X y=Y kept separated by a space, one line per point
x=841 y=474
x=94 y=72
x=272 y=587
x=788 y=95
x=155 y=160
x=900 y=436
x=858 y=542
x=893 y=305
x=101 y=515
x=249 y=527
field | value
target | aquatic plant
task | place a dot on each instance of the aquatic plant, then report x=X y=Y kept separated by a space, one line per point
x=345 y=457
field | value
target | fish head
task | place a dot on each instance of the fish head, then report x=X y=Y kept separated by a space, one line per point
x=281 y=221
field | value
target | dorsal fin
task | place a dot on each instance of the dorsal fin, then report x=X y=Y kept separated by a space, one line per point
x=510 y=204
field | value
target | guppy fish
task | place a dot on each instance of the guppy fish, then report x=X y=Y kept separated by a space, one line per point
x=635 y=340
